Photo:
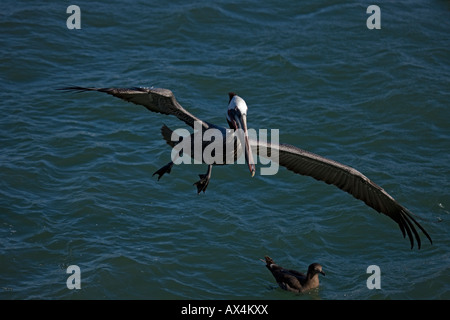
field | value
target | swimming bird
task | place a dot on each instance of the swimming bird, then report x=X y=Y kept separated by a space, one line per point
x=292 y=280
x=292 y=158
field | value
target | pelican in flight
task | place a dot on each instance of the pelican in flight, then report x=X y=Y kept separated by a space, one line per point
x=294 y=159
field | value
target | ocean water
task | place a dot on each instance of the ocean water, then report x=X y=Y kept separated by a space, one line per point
x=76 y=185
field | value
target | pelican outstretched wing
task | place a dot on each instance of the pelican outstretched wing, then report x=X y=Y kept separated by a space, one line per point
x=347 y=179
x=154 y=99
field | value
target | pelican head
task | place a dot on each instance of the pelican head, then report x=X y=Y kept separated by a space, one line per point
x=237 y=119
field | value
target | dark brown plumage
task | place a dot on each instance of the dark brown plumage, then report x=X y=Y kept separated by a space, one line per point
x=292 y=280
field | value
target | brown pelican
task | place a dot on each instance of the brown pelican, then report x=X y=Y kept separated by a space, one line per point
x=294 y=159
x=292 y=280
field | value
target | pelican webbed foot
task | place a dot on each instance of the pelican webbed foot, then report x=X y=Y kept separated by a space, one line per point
x=166 y=169
x=202 y=184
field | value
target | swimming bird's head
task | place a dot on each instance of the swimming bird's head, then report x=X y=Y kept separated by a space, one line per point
x=314 y=269
x=237 y=119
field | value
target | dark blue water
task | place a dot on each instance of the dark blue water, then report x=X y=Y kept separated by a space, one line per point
x=76 y=185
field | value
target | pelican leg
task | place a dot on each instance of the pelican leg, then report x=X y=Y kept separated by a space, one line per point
x=204 y=180
x=165 y=169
